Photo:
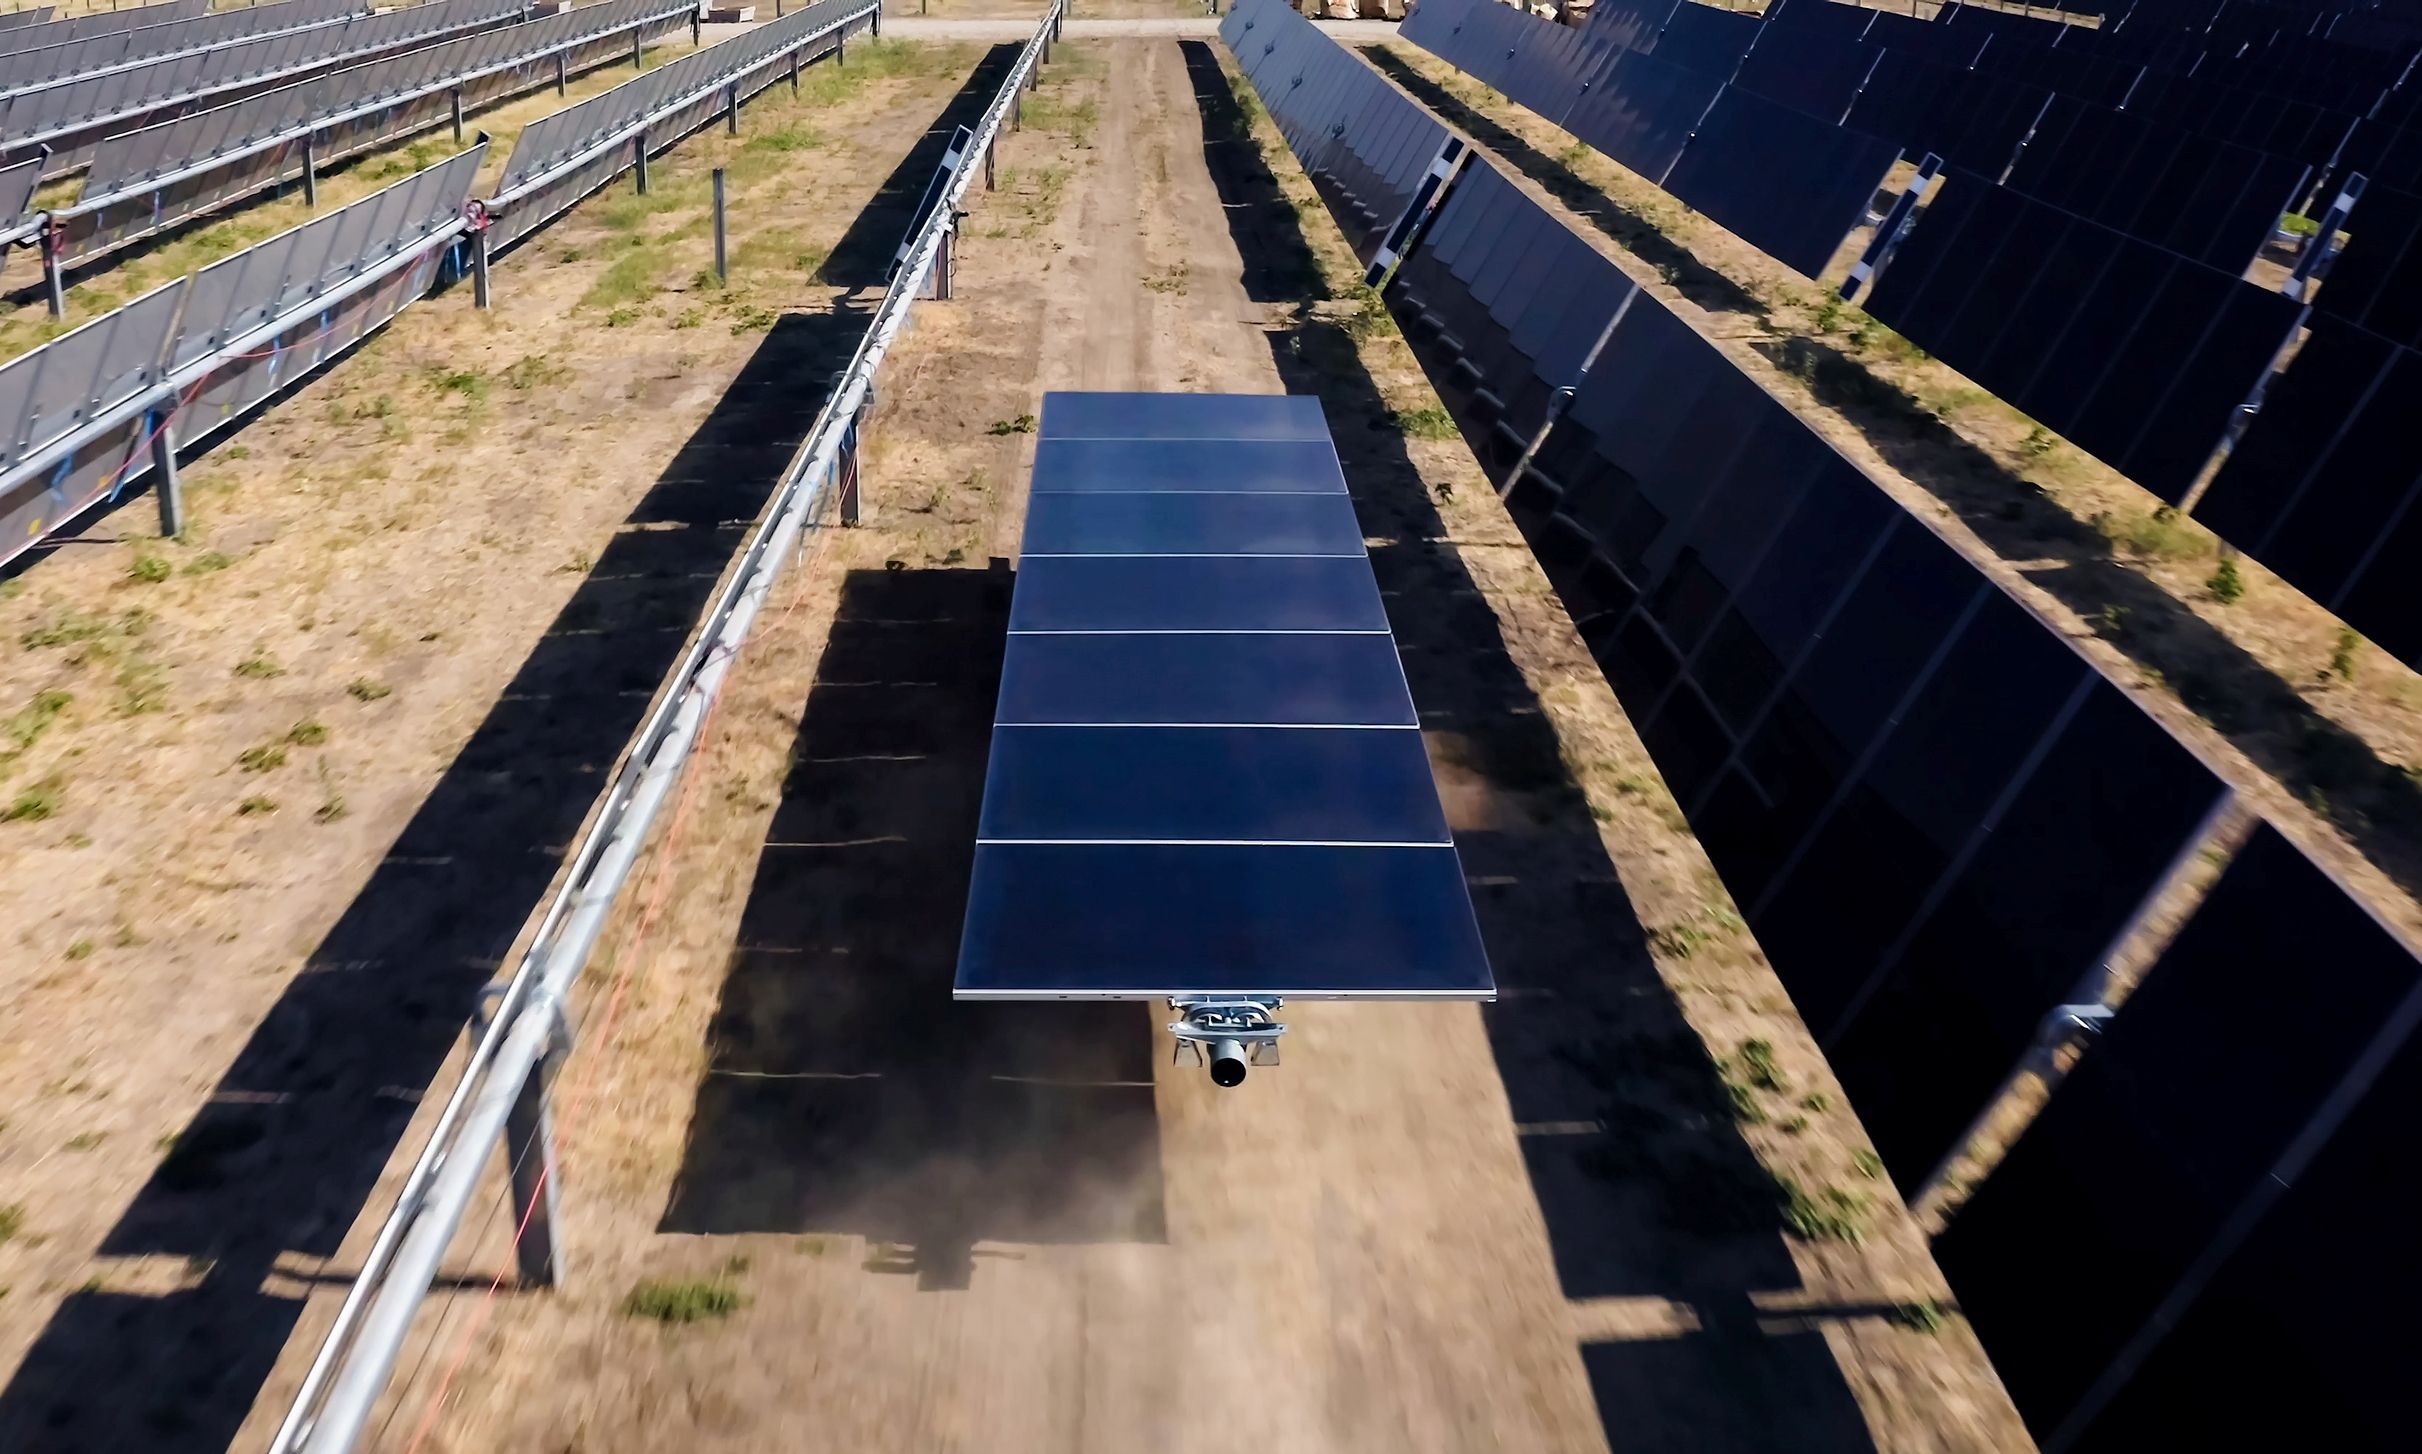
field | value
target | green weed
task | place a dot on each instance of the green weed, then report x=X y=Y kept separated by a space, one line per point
x=1023 y=424
x=682 y=1302
x=2226 y=585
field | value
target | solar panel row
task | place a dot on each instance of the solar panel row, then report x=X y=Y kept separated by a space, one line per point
x=99 y=22
x=2137 y=355
x=2375 y=281
x=1206 y=773
x=18 y=19
x=2322 y=487
x=72 y=117
x=2163 y=1192
x=61 y=454
x=671 y=101
x=1935 y=813
x=1785 y=182
x=146 y=180
x=1359 y=139
x=27 y=69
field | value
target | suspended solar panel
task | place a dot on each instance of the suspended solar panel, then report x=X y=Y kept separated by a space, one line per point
x=100 y=22
x=2158 y=1145
x=2376 y=280
x=2137 y=355
x=1812 y=72
x=1172 y=807
x=48 y=64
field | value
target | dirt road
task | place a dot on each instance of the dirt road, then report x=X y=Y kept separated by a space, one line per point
x=813 y=1205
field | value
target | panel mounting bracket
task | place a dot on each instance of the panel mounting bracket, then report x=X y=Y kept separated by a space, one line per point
x=1226 y=1032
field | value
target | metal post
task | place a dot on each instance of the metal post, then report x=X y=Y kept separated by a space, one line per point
x=54 y=280
x=841 y=50
x=456 y=98
x=1017 y=109
x=562 y=78
x=639 y=153
x=845 y=464
x=722 y=270
x=479 y=268
x=529 y=1146
x=731 y=109
x=988 y=166
x=693 y=29
x=794 y=70
x=636 y=63
x=311 y=169
x=164 y=482
x=944 y=263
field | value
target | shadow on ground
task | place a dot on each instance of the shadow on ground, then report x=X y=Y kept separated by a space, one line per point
x=845 y=1092
x=863 y=256
x=285 y=1155
x=1664 y=1198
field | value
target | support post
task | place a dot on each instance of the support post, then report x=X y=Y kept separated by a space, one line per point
x=1017 y=109
x=841 y=49
x=847 y=465
x=731 y=109
x=311 y=169
x=988 y=181
x=164 y=482
x=563 y=78
x=637 y=64
x=455 y=98
x=722 y=269
x=694 y=32
x=480 y=297
x=945 y=262
x=639 y=160
x=529 y=1148
x=54 y=272
x=794 y=70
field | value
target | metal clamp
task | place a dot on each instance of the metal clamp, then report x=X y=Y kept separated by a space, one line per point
x=1227 y=1033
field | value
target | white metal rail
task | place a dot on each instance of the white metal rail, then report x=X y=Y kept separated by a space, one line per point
x=503 y=1083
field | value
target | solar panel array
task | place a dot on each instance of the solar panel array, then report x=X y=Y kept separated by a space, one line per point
x=99 y=22
x=17 y=19
x=2137 y=355
x=1933 y=811
x=1787 y=183
x=2216 y=1192
x=28 y=68
x=168 y=351
x=2322 y=487
x=693 y=83
x=1206 y=772
x=57 y=389
x=146 y=180
x=235 y=299
x=73 y=116
x=1358 y=136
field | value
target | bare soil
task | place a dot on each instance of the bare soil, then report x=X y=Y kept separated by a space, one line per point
x=812 y=1204
x=282 y=792
x=2320 y=731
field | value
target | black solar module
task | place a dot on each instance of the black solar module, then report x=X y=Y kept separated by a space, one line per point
x=1207 y=777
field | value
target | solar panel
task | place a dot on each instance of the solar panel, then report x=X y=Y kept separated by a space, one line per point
x=2139 y=356
x=1788 y=184
x=1206 y=777
x=2162 y=1131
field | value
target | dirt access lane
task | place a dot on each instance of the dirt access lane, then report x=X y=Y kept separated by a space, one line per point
x=814 y=1205
x=310 y=767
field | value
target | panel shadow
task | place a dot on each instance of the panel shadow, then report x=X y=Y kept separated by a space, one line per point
x=284 y=1156
x=862 y=258
x=1726 y=1388
x=845 y=1091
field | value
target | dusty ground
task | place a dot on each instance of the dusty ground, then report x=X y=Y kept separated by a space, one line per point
x=1623 y=1209
x=280 y=801
x=2320 y=729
